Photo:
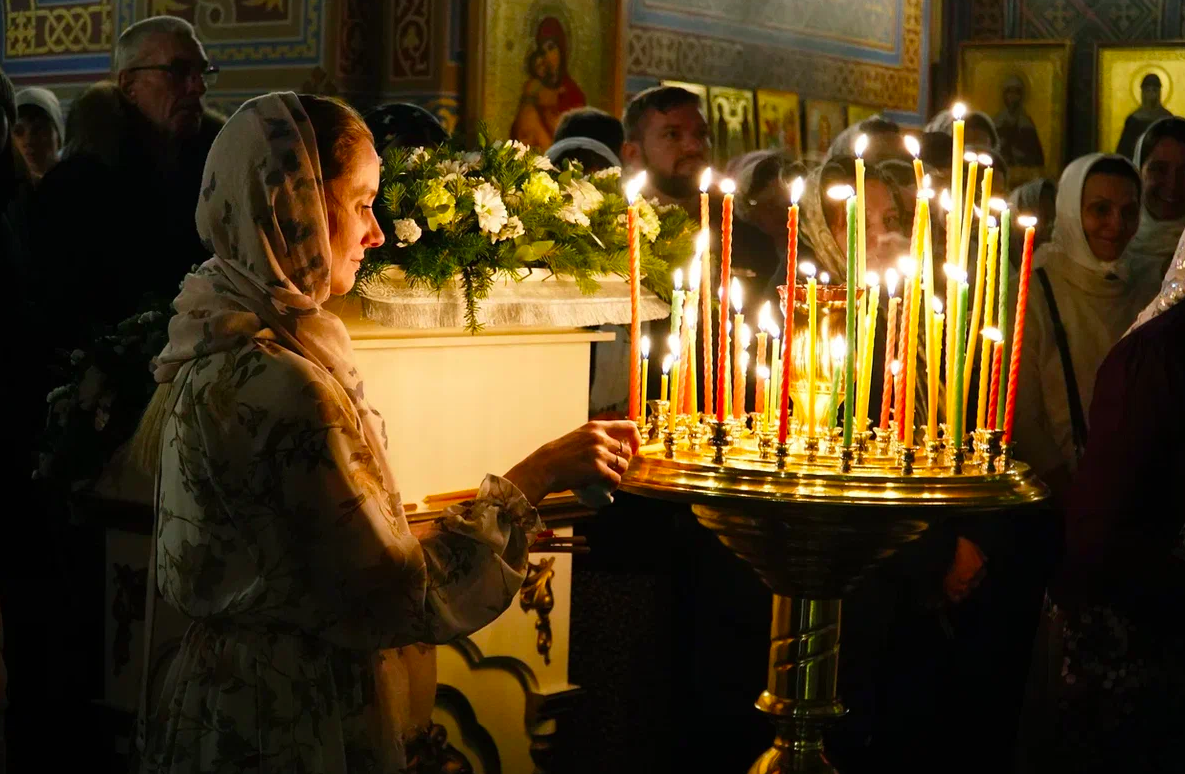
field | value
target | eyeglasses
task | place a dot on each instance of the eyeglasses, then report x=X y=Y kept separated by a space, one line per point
x=180 y=71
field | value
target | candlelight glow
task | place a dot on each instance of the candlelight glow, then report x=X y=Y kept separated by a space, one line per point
x=993 y=334
x=947 y=203
x=838 y=348
x=762 y=372
x=667 y=362
x=774 y=331
x=937 y=306
x=745 y=360
x=705 y=179
x=728 y=186
x=891 y=281
x=907 y=266
x=953 y=272
x=634 y=186
x=970 y=156
x=927 y=181
x=796 y=189
x=873 y=279
x=824 y=278
x=677 y=280
x=841 y=192
x=999 y=205
x=694 y=273
x=674 y=344
x=912 y=145
x=861 y=145
x=958 y=111
x=765 y=317
x=895 y=368
x=746 y=335
x=926 y=193
x=991 y=221
x=807 y=268
x=1026 y=221
x=985 y=160
x=701 y=242
x=735 y=294
x=645 y=346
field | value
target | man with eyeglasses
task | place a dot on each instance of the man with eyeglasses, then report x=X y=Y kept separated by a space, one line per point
x=115 y=218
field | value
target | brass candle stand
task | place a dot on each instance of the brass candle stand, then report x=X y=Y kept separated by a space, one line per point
x=811 y=519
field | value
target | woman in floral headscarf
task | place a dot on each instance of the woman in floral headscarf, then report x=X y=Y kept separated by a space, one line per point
x=280 y=528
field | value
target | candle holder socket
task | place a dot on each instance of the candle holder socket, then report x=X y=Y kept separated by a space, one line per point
x=657 y=421
x=765 y=445
x=668 y=443
x=781 y=452
x=957 y=458
x=812 y=448
x=1007 y=452
x=933 y=452
x=846 y=455
x=719 y=441
x=994 y=450
x=908 y=457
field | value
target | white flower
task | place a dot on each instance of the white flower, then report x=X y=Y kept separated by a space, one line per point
x=544 y=163
x=407 y=232
x=648 y=223
x=417 y=156
x=451 y=169
x=472 y=159
x=607 y=173
x=573 y=214
x=512 y=230
x=585 y=196
x=489 y=208
x=519 y=148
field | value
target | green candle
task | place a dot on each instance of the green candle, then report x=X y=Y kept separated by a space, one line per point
x=849 y=418
x=960 y=359
x=677 y=304
x=1002 y=317
x=837 y=350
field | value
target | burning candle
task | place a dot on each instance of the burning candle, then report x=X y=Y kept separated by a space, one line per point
x=672 y=414
x=676 y=302
x=915 y=149
x=838 y=353
x=902 y=343
x=1018 y=333
x=968 y=209
x=994 y=396
x=729 y=188
x=958 y=111
x=861 y=224
x=989 y=296
x=645 y=369
x=890 y=339
x=762 y=395
x=704 y=247
x=898 y=387
x=812 y=350
x=686 y=406
x=925 y=194
x=986 y=221
x=738 y=324
x=691 y=320
x=991 y=340
x=705 y=182
x=959 y=320
x=631 y=195
x=1002 y=308
x=847 y=195
x=913 y=277
x=667 y=362
x=796 y=189
x=764 y=318
x=867 y=355
x=743 y=374
x=933 y=346
x=773 y=408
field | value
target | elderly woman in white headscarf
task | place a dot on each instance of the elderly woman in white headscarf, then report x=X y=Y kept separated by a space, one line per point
x=280 y=531
x=1083 y=295
x=979 y=132
x=1160 y=157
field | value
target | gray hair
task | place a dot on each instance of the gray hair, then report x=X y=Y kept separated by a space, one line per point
x=131 y=41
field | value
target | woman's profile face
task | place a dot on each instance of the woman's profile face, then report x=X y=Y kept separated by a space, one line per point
x=352 y=225
x=1164 y=180
x=1110 y=214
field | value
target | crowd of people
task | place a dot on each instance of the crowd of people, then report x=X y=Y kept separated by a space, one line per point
x=1099 y=416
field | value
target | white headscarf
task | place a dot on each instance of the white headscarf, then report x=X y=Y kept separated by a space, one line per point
x=262 y=213
x=1156 y=240
x=1172 y=290
x=1068 y=237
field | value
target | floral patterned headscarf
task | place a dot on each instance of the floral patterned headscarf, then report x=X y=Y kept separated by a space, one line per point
x=262 y=213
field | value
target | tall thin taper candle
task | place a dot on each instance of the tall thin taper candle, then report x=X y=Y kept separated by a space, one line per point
x=677 y=302
x=738 y=324
x=631 y=194
x=1018 y=332
x=796 y=189
x=763 y=318
x=667 y=362
x=868 y=354
x=812 y=345
x=672 y=414
x=911 y=354
x=915 y=148
x=847 y=195
x=774 y=406
x=705 y=289
x=968 y=210
x=890 y=355
x=691 y=324
x=994 y=397
x=925 y=194
x=861 y=225
x=1002 y=301
x=958 y=111
x=991 y=340
x=838 y=355
x=960 y=418
x=933 y=344
x=728 y=187
x=645 y=369
x=989 y=296
x=981 y=259
x=903 y=343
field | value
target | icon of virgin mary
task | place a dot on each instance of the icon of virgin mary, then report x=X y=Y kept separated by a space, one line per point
x=550 y=90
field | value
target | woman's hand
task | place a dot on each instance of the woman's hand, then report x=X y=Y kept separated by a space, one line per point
x=598 y=452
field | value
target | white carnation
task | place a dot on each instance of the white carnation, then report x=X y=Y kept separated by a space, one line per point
x=544 y=163
x=407 y=232
x=452 y=169
x=573 y=214
x=489 y=208
x=472 y=159
x=607 y=173
x=416 y=157
x=648 y=223
x=584 y=195
x=512 y=230
x=520 y=150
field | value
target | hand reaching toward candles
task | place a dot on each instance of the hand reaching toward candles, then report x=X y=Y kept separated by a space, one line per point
x=596 y=453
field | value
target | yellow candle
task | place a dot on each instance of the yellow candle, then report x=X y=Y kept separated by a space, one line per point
x=958 y=111
x=672 y=415
x=867 y=342
x=968 y=205
x=991 y=340
x=913 y=276
x=955 y=277
x=812 y=345
x=645 y=370
x=775 y=387
x=690 y=324
x=861 y=215
x=738 y=322
x=915 y=148
x=989 y=321
x=933 y=365
x=982 y=292
x=667 y=362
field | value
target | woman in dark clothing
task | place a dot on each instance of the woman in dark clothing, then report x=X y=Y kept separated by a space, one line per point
x=1117 y=681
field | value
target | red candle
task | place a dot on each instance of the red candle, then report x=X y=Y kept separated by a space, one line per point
x=890 y=340
x=1018 y=333
x=994 y=394
x=901 y=376
x=728 y=187
x=791 y=273
x=705 y=289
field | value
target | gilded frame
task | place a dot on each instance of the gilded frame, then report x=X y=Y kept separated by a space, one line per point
x=1164 y=57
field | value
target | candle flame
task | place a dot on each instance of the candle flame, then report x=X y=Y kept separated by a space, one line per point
x=861 y=145
x=895 y=368
x=1027 y=221
x=993 y=334
x=999 y=205
x=991 y=221
x=841 y=192
x=891 y=281
x=674 y=344
x=838 y=347
x=763 y=372
x=937 y=306
x=694 y=274
x=971 y=157
x=796 y=189
x=746 y=335
x=912 y=145
x=705 y=179
x=728 y=186
x=775 y=332
x=985 y=160
x=807 y=268
x=958 y=111
x=701 y=242
x=953 y=272
x=735 y=294
x=634 y=186
x=745 y=361
x=691 y=315
x=926 y=193
x=907 y=266
x=873 y=279
x=645 y=346
x=948 y=203
x=824 y=278
x=667 y=362
x=677 y=280
x=765 y=317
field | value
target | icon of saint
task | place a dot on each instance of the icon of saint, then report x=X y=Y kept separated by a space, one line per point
x=1149 y=111
x=1019 y=142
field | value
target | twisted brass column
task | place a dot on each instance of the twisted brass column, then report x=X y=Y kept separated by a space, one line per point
x=800 y=695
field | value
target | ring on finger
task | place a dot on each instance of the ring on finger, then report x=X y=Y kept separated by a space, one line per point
x=620 y=462
x=621 y=444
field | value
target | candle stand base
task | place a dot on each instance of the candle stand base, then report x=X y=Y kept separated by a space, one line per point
x=933 y=452
x=847 y=456
x=719 y=441
x=908 y=458
x=782 y=452
x=957 y=458
x=994 y=450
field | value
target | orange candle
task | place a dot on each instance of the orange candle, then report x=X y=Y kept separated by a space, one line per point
x=796 y=189
x=705 y=289
x=739 y=342
x=911 y=351
x=728 y=187
x=631 y=194
x=763 y=320
x=901 y=351
x=1018 y=331
x=890 y=340
x=994 y=399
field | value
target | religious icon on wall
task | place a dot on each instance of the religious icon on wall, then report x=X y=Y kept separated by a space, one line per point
x=549 y=90
x=733 y=123
x=858 y=113
x=824 y=121
x=779 y=122
x=698 y=89
x=1135 y=86
x=537 y=59
x=1023 y=86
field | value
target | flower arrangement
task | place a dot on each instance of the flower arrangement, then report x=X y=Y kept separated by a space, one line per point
x=474 y=215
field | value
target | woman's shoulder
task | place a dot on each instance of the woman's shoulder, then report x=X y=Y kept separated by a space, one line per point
x=263 y=372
